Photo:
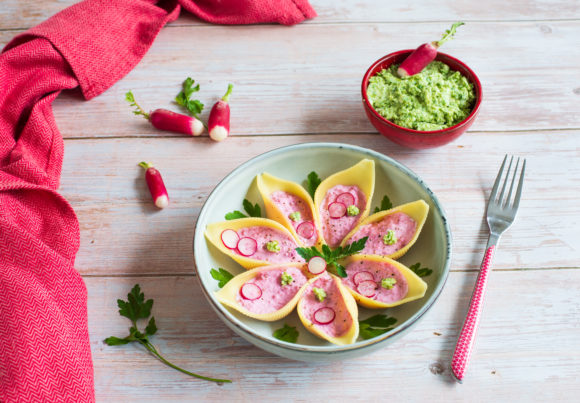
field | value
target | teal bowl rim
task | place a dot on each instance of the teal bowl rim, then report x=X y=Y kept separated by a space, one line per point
x=199 y=239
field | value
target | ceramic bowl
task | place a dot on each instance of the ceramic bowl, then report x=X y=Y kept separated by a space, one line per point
x=433 y=248
x=415 y=138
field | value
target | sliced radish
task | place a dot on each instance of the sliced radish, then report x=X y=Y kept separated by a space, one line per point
x=306 y=230
x=247 y=246
x=362 y=276
x=367 y=288
x=336 y=210
x=316 y=265
x=345 y=198
x=324 y=316
x=250 y=291
x=230 y=238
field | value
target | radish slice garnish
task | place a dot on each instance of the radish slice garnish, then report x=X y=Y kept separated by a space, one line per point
x=250 y=291
x=247 y=246
x=230 y=238
x=316 y=265
x=305 y=230
x=336 y=210
x=362 y=276
x=345 y=198
x=324 y=316
x=367 y=288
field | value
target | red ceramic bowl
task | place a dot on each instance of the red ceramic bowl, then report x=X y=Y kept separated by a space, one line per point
x=415 y=138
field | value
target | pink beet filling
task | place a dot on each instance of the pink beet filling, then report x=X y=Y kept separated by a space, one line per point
x=379 y=270
x=289 y=203
x=274 y=294
x=401 y=224
x=310 y=304
x=335 y=229
x=263 y=235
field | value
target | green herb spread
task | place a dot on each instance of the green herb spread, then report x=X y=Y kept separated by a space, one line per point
x=295 y=216
x=286 y=279
x=273 y=246
x=319 y=293
x=390 y=238
x=434 y=99
x=388 y=283
x=352 y=210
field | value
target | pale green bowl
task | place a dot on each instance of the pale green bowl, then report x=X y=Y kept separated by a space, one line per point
x=433 y=248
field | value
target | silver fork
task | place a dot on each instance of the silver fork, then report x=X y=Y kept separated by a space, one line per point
x=501 y=212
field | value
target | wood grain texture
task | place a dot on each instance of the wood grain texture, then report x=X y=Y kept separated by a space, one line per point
x=529 y=352
x=18 y=14
x=123 y=233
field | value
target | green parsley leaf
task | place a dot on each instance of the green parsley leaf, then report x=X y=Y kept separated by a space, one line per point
x=312 y=182
x=136 y=307
x=385 y=204
x=375 y=326
x=286 y=333
x=332 y=256
x=232 y=215
x=193 y=106
x=421 y=272
x=340 y=270
x=129 y=97
x=252 y=210
x=308 y=253
x=221 y=275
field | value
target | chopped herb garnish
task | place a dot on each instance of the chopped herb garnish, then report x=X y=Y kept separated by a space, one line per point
x=332 y=256
x=388 y=283
x=193 y=106
x=221 y=275
x=385 y=204
x=352 y=210
x=312 y=182
x=420 y=271
x=319 y=293
x=136 y=308
x=286 y=279
x=375 y=326
x=390 y=238
x=295 y=216
x=286 y=333
x=253 y=210
x=273 y=246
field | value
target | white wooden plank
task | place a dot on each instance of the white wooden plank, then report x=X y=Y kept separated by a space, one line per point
x=527 y=349
x=26 y=13
x=122 y=232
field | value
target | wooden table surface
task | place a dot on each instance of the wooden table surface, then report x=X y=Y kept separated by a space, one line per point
x=301 y=84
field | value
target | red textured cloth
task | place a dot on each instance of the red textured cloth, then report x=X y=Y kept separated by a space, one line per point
x=44 y=345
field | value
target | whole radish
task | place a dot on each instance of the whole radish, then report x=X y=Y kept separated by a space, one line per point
x=425 y=54
x=219 y=117
x=164 y=119
x=155 y=185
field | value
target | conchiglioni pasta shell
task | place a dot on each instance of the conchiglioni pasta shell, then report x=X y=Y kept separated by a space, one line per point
x=417 y=210
x=417 y=287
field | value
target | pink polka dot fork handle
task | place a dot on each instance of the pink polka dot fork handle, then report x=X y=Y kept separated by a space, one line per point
x=501 y=212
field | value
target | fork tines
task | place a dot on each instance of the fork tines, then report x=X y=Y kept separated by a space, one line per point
x=500 y=201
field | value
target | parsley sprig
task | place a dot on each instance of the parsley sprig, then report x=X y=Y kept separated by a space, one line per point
x=253 y=210
x=333 y=256
x=420 y=271
x=137 y=110
x=136 y=308
x=375 y=326
x=193 y=106
x=312 y=182
x=221 y=275
x=286 y=333
x=385 y=204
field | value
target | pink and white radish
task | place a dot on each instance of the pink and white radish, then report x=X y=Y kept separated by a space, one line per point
x=247 y=246
x=316 y=265
x=367 y=288
x=362 y=276
x=230 y=238
x=336 y=210
x=324 y=316
x=345 y=198
x=425 y=54
x=170 y=121
x=250 y=291
x=219 y=117
x=306 y=230
x=155 y=185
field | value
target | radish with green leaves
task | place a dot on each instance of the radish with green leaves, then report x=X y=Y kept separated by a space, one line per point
x=155 y=185
x=164 y=119
x=425 y=54
x=219 y=117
